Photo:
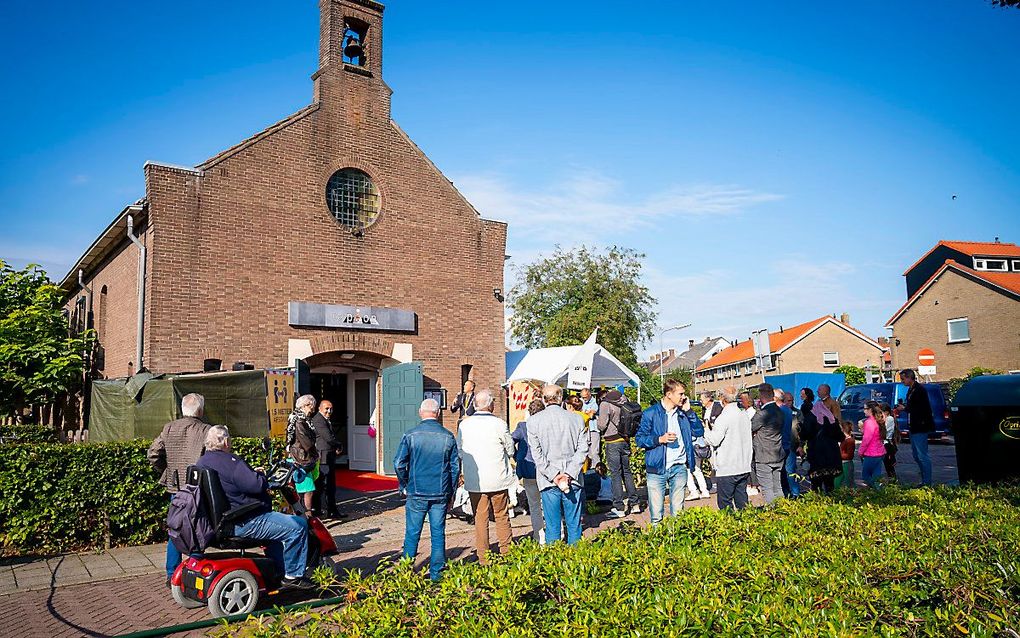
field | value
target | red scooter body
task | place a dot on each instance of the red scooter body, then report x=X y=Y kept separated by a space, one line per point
x=231 y=582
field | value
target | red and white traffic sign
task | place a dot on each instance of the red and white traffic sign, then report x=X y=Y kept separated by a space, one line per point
x=926 y=357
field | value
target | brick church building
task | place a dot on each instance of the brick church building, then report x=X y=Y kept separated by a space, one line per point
x=328 y=239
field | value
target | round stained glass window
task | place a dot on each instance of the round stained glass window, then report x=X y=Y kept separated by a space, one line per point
x=352 y=198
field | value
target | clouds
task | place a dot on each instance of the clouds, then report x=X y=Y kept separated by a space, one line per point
x=601 y=200
x=760 y=293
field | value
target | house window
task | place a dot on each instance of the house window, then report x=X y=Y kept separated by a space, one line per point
x=959 y=330
x=353 y=199
x=1016 y=265
x=830 y=359
x=997 y=265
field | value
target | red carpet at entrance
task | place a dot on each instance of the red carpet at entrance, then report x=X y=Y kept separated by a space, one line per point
x=364 y=481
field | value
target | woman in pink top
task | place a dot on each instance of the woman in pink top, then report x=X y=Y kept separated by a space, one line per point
x=872 y=444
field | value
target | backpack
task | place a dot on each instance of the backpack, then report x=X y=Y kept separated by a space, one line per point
x=630 y=418
x=191 y=531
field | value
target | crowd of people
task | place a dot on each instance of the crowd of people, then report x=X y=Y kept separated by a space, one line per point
x=750 y=445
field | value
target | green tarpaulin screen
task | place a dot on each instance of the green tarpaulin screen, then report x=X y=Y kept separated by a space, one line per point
x=138 y=408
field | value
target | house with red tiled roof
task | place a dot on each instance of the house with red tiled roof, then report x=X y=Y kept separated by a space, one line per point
x=985 y=256
x=819 y=345
x=965 y=308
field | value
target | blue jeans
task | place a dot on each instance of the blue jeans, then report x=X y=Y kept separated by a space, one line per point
x=415 y=510
x=561 y=507
x=676 y=478
x=871 y=469
x=287 y=538
x=173 y=555
x=919 y=446
x=792 y=482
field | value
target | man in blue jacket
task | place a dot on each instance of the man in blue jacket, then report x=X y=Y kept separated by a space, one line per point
x=427 y=466
x=286 y=536
x=666 y=433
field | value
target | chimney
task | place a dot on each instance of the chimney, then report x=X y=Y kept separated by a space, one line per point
x=780 y=330
x=844 y=319
x=690 y=343
x=655 y=357
x=672 y=352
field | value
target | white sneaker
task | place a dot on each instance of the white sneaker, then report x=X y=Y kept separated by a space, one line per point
x=752 y=491
x=615 y=513
x=693 y=496
x=635 y=508
x=541 y=537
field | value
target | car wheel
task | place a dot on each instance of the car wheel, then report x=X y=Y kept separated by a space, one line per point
x=178 y=595
x=236 y=592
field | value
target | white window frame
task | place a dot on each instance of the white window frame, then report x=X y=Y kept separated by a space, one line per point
x=827 y=358
x=981 y=263
x=1016 y=265
x=949 y=331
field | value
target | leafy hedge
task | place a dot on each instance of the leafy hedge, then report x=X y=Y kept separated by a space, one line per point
x=13 y=434
x=64 y=497
x=917 y=563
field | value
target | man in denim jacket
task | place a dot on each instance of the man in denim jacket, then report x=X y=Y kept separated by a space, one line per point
x=428 y=467
x=667 y=432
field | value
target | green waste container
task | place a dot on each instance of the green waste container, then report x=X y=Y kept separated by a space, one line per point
x=986 y=426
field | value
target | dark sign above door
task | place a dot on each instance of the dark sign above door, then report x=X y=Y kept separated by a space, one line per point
x=318 y=315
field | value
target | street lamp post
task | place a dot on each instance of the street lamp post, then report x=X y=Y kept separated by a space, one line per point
x=662 y=372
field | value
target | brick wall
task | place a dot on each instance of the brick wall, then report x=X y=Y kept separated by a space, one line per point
x=806 y=354
x=235 y=241
x=115 y=313
x=994 y=328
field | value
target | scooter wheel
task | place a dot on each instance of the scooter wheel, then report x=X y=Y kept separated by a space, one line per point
x=237 y=592
x=182 y=600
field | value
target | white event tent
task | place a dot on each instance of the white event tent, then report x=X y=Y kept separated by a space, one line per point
x=552 y=365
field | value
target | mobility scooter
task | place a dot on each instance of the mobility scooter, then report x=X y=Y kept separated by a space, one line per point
x=230 y=582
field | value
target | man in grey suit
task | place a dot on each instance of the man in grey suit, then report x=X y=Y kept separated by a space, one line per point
x=767 y=441
x=558 y=441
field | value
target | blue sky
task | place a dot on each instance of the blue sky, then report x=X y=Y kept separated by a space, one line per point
x=774 y=163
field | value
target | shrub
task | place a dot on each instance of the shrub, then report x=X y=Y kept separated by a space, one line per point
x=956 y=383
x=13 y=434
x=915 y=563
x=63 y=497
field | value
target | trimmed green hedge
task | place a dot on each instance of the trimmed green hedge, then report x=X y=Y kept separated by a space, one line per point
x=68 y=497
x=915 y=563
x=14 y=434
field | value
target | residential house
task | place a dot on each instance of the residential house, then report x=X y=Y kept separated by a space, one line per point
x=963 y=304
x=819 y=345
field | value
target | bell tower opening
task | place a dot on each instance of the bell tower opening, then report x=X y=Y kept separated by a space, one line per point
x=354 y=41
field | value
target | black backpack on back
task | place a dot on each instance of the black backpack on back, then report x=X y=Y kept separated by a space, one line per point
x=630 y=418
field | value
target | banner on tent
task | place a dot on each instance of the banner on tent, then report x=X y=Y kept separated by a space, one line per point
x=521 y=394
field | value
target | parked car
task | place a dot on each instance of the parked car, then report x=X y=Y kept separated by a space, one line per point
x=853 y=398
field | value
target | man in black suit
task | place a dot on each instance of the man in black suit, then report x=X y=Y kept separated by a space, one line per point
x=328 y=447
x=464 y=405
x=767 y=442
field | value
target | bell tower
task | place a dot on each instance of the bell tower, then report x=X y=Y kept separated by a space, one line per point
x=350 y=58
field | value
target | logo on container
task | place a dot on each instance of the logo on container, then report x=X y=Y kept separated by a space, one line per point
x=1010 y=426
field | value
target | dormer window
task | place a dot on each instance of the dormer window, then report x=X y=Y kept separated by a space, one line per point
x=1016 y=265
x=352 y=46
x=993 y=265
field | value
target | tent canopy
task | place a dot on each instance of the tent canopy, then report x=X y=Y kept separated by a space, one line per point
x=550 y=365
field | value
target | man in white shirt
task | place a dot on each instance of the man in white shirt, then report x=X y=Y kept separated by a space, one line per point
x=730 y=435
x=486 y=448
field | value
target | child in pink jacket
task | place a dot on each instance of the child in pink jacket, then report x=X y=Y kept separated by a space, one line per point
x=872 y=444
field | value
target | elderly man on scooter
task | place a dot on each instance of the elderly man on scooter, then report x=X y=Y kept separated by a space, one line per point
x=287 y=535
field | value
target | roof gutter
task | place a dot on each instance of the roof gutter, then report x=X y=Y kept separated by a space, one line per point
x=141 y=284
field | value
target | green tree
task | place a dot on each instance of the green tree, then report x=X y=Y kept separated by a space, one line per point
x=853 y=374
x=39 y=358
x=560 y=299
x=957 y=382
